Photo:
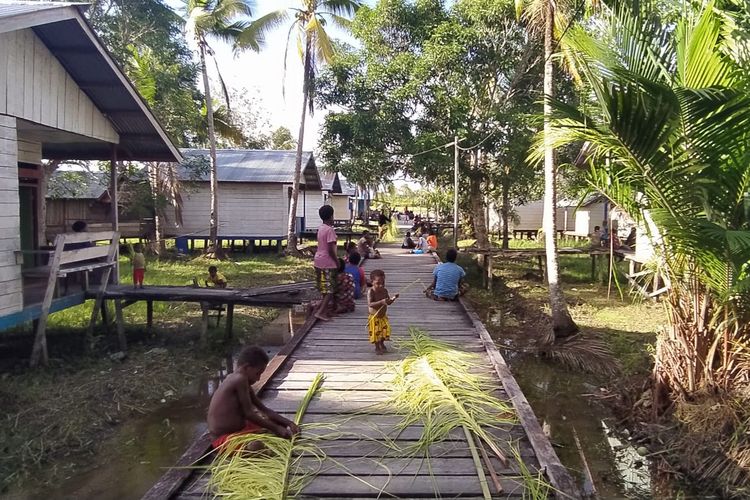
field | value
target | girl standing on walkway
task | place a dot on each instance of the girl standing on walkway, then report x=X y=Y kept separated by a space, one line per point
x=378 y=300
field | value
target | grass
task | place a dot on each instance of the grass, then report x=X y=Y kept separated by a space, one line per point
x=244 y=271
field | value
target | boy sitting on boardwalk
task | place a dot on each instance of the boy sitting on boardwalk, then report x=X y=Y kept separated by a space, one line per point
x=378 y=300
x=236 y=410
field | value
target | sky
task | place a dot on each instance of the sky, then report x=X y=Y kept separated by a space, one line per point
x=262 y=74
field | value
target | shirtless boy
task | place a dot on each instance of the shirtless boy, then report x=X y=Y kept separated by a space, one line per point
x=235 y=409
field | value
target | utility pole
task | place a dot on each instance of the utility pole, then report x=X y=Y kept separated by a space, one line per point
x=455 y=192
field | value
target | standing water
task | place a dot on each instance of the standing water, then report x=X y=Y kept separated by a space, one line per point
x=566 y=402
x=142 y=449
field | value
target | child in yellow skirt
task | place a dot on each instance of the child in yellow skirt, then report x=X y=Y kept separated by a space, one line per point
x=378 y=301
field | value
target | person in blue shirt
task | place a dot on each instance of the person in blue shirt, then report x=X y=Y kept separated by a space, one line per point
x=447 y=283
x=352 y=267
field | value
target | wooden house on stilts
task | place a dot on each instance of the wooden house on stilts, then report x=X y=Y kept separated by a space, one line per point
x=62 y=97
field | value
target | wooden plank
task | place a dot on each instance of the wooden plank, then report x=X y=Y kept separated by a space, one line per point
x=90 y=236
x=39 y=351
x=88 y=253
x=558 y=475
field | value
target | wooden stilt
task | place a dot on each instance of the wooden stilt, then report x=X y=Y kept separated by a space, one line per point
x=489 y=272
x=149 y=315
x=120 y=326
x=105 y=316
x=540 y=264
x=593 y=267
x=39 y=351
x=230 y=321
x=204 y=325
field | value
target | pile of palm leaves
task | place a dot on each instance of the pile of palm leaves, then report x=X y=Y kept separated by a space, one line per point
x=276 y=471
x=436 y=388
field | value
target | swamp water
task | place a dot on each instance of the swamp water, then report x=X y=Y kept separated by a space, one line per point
x=141 y=449
x=566 y=401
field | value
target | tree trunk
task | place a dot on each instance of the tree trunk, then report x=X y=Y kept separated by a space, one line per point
x=477 y=205
x=562 y=324
x=159 y=246
x=291 y=238
x=47 y=170
x=213 y=234
x=505 y=212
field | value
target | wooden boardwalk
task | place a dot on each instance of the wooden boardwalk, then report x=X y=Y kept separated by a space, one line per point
x=356 y=380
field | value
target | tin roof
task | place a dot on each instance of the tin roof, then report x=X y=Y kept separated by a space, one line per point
x=68 y=36
x=250 y=165
x=78 y=184
x=336 y=184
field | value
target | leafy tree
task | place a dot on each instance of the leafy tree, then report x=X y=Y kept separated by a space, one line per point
x=220 y=20
x=667 y=138
x=316 y=48
x=281 y=138
x=426 y=73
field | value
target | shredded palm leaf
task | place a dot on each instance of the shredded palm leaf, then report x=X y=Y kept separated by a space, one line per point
x=435 y=387
x=277 y=471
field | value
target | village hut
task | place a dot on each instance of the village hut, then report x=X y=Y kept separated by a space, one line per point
x=255 y=188
x=62 y=97
x=339 y=193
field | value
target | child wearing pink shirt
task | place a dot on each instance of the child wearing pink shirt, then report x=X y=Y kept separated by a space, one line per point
x=326 y=261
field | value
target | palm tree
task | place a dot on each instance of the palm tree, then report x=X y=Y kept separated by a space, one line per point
x=220 y=20
x=550 y=17
x=309 y=21
x=671 y=114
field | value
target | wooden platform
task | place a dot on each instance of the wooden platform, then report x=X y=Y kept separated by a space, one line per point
x=356 y=381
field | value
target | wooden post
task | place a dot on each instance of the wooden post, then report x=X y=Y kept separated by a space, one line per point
x=120 y=326
x=593 y=267
x=114 y=200
x=204 y=324
x=540 y=264
x=105 y=316
x=99 y=299
x=230 y=321
x=39 y=351
x=149 y=314
x=489 y=272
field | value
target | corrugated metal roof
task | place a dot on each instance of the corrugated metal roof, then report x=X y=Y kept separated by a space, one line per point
x=73 y=42
x=249 y=165
x=78 y=184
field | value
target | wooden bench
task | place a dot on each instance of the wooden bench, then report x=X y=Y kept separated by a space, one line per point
x=85 y=256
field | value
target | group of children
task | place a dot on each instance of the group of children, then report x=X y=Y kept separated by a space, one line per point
x=235 y=409
x=341 y=285
x=426 y=243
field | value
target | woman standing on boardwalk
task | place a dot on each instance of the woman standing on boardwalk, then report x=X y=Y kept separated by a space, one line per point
x=326 y=262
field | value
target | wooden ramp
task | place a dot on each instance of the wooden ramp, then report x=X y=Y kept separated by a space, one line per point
x=356 y=381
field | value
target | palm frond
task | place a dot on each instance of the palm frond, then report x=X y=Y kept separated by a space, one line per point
x=340 y=7
x=254 y=35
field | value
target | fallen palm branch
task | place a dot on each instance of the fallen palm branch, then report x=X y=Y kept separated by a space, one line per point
x=434 y=387
x=273 y=473
x=536 y=486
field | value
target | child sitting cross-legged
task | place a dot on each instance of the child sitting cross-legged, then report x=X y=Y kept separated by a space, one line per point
x=344 y=296
x=235 y=409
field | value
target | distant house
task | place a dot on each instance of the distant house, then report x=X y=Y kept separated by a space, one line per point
x=62 y=97
x=527 y=218
x=590 y=213
x=255 y=188
x=74 y=195
x=339 y=193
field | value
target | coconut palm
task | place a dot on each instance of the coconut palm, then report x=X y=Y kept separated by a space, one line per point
x=552 y=19
x=668 y=138
x=221 y=20
x=315 y=47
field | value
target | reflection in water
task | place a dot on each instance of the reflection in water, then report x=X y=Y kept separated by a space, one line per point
x=561 y=398
x=139 y=452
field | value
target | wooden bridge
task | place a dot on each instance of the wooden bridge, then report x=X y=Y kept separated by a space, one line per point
x=356 y=379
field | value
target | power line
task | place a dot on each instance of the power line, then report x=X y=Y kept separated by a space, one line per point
x=431 y=150
x=477 y=144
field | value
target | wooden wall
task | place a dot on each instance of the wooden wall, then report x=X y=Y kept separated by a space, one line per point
x=11 y=297
x=245 y=209
x=34 y=86
x=314 y=199
x=340 y=206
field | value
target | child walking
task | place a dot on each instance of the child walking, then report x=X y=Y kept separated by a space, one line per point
x=378 y=300
x=139 y=265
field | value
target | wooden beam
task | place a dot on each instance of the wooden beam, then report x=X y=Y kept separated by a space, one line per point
x=39 y=351
x=149 y=314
